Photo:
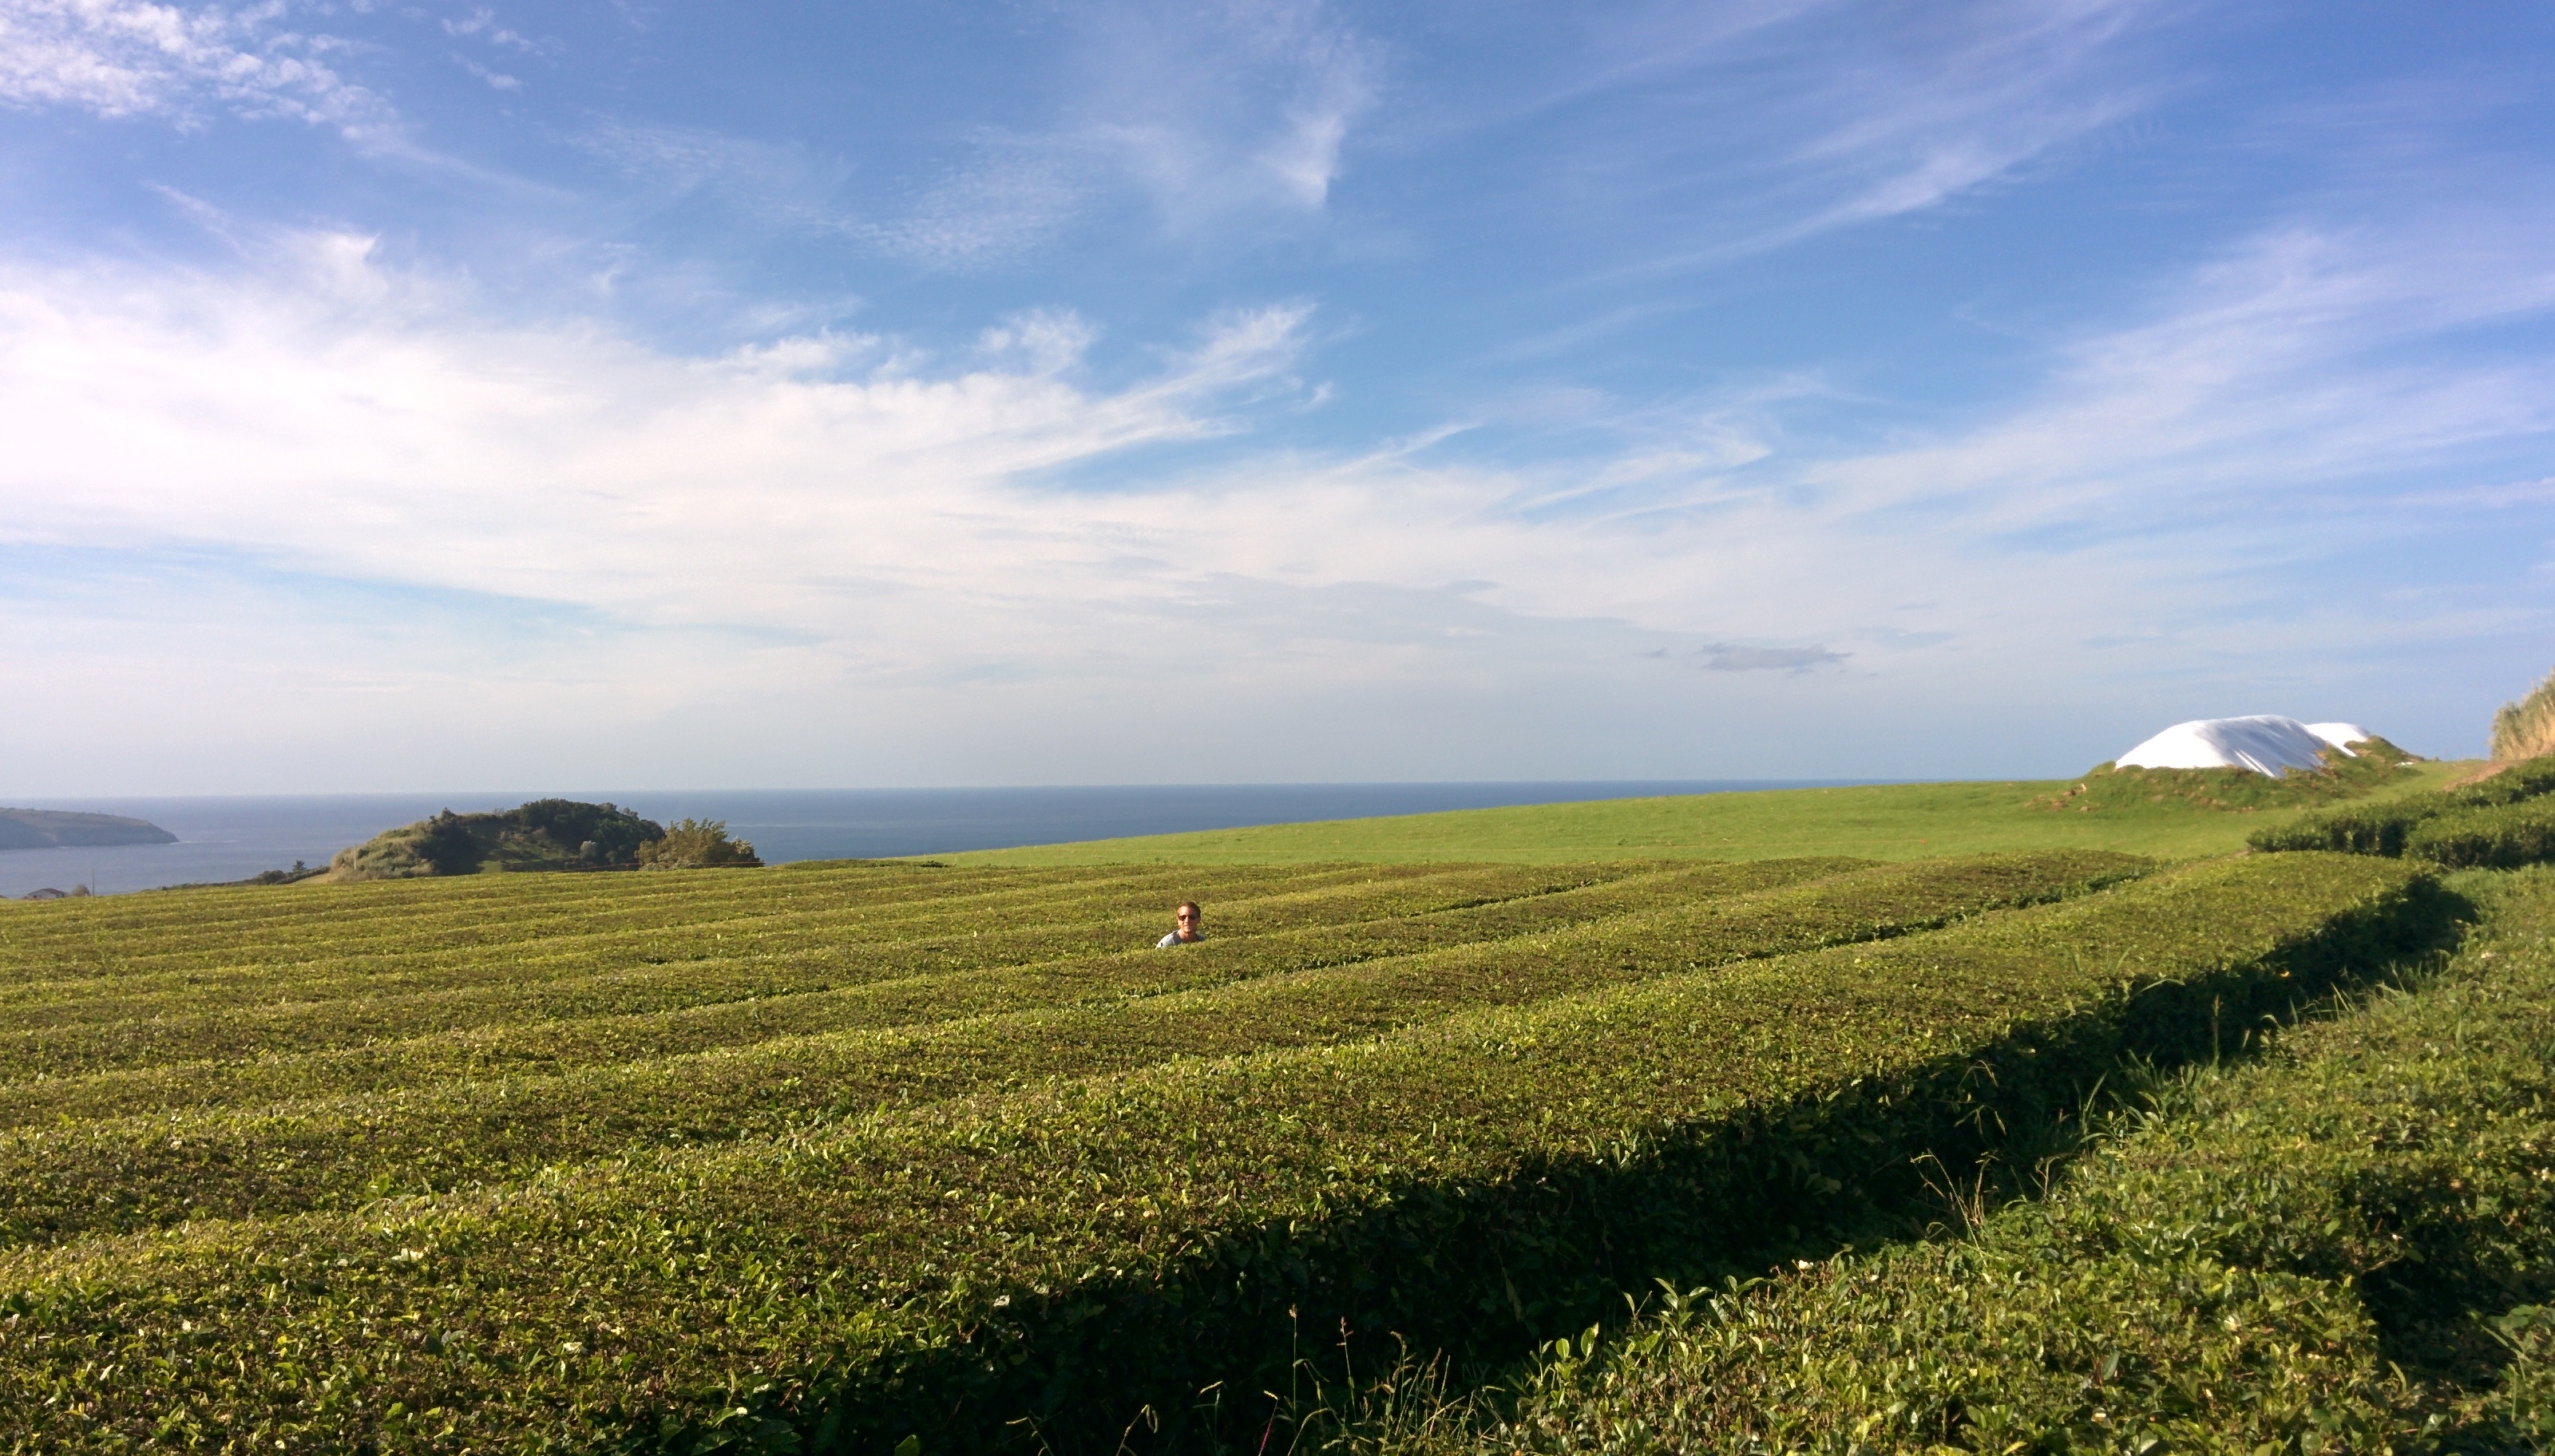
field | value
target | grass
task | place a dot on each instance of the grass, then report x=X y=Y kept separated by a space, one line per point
x=2526 y=729
x=1883 y=822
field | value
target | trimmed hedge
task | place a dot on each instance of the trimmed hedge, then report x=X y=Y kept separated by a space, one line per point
x=2387 y=828
x=821 y=986
x=936 y=1041
x=1065 y=1255
x=306 y=989
x=2502 y=837
x=2351 y=1247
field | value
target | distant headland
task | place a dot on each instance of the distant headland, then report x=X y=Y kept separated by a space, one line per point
x=62 y=829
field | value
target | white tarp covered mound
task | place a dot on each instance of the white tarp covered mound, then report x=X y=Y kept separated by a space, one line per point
x=2266 y=743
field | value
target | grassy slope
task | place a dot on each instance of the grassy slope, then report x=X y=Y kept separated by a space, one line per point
x=1889 y=823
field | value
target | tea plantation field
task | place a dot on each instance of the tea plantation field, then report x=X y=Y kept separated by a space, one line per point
x=918 y=1157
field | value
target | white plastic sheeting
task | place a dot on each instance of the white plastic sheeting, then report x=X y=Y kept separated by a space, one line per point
x=2265 y=744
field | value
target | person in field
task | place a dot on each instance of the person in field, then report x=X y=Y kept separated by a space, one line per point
x=1188 y=927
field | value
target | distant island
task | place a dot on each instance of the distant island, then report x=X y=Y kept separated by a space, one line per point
x=62 y=829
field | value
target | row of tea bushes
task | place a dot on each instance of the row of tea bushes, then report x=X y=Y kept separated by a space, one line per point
x=2504 y=837
x=1062 y=1255
x=2347 y=1247
x=784 y=943
x=78 y=1176
x=2395 y=827
x=419 y=946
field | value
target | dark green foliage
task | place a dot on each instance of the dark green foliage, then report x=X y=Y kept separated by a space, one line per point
x=2350 y=1246
x=2503 y=836
x=2379 y=828
x=446 y=845
x=567 y=826
x=2385 y=828
x=1070 y=1249
x=697 y=844
x=544 y=834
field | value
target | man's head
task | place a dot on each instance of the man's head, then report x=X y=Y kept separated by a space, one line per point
x=1187 y=916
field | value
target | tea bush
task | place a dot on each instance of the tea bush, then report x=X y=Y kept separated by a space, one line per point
x=2386 y=828
x=2501 y=838
x=2350 y=1246
x=1073 y=1248
x=953 y=1034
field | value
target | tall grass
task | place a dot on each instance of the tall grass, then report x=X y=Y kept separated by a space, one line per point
x=2526 y=728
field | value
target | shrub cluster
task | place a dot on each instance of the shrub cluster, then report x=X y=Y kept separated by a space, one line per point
x=1064 y=1252
x=2350 y=1246
x=546 y=834
x=697 y=844
x=2390 y=828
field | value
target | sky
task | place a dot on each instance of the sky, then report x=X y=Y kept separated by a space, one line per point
x=415 y=397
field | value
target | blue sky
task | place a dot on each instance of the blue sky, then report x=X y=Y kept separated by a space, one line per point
x=430 y=395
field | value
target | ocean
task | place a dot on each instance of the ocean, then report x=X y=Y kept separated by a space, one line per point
x=234 y=837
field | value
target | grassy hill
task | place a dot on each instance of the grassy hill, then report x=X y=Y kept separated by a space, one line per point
x=1884 y=822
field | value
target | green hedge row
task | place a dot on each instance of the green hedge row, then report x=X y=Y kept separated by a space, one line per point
x=332 y=1003
x=2388 y=828
x=207 y=928
x=546 y=930
x=121 y=1174
x=2349 y=1248
x=176 y=1070
x=609 y=1010
x=2502 y=837
x=1065 y=1254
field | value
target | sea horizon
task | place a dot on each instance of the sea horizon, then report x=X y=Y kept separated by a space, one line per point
x=230 y=837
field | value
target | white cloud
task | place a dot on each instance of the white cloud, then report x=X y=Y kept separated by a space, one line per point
x=496 y=79
x=126 y=58
x=482 y=22
x=819 y=540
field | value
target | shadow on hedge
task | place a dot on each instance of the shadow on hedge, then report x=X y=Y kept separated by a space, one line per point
x=1184 y=1358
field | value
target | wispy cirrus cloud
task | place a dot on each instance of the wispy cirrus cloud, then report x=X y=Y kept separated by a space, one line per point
x=1723 y=656
x=481 y=23
x=129 y=57
x=1781 y=121
x=1218 y=111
